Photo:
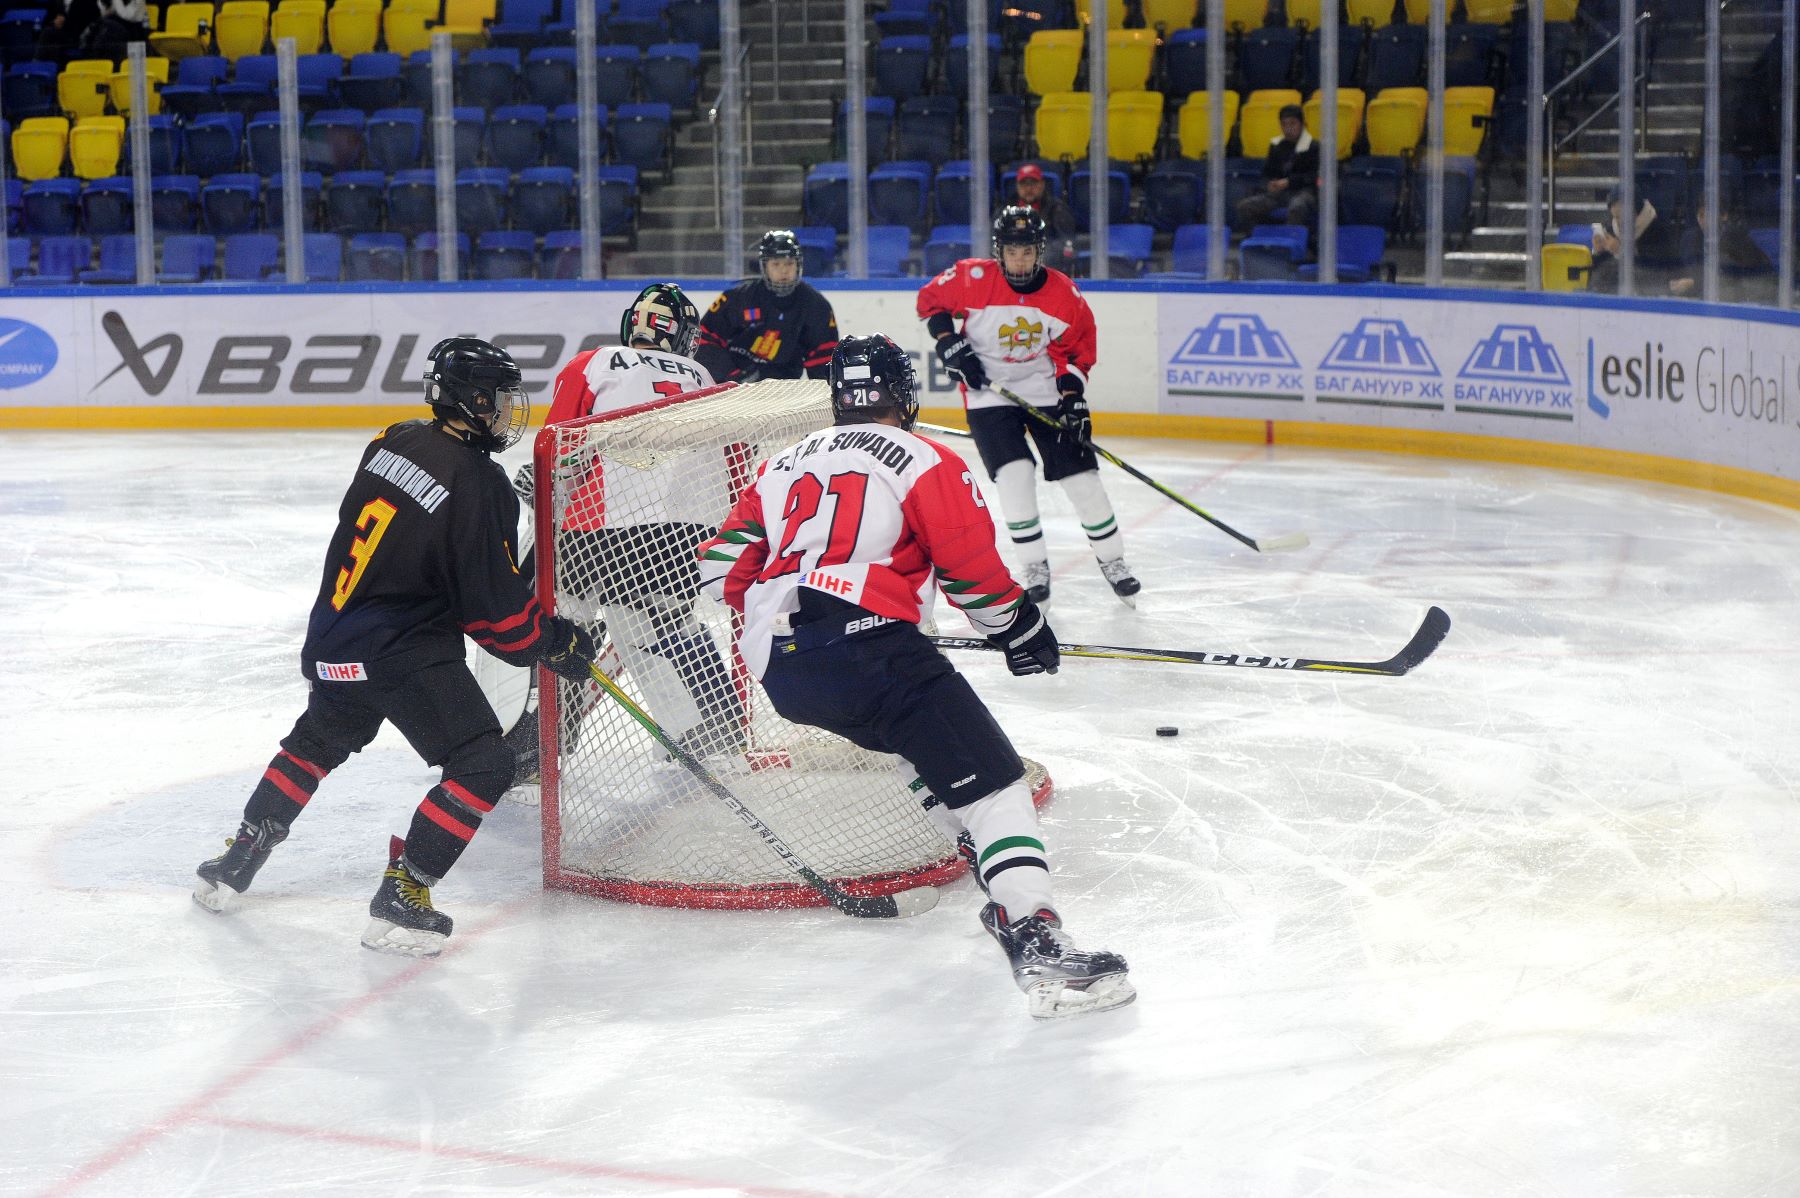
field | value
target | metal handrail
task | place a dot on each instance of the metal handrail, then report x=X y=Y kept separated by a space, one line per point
x=712 y=119
x=1637 y=83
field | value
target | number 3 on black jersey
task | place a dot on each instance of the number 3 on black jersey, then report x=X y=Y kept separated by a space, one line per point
x=372 y=522
x=802 y=504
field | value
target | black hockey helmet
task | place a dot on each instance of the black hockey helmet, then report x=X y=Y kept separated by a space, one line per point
x=778 y=244
x=871 y=376
x=478 y=383
x=663 y=315
x=1018 y=224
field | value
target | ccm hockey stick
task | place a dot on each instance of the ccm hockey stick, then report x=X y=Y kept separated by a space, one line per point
x=1287 y=540
x=906 y=902
x=1430 y=634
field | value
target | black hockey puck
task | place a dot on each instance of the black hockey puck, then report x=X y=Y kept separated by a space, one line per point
x=1165 y=730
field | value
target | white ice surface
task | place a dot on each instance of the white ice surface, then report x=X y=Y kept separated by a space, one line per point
x=1521 y=923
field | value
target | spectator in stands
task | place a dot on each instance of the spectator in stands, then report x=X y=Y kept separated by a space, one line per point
x=1745 y=270
x=121 y=23
x=65 y=24
x=1030 y=191
x=1290 y=176
x=1657 y=248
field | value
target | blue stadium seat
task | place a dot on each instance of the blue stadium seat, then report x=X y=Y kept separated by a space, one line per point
x=376 y=257
x=52 y=207
x=1006 y=125
x=1469 y=54
x=1118 y=195
x=548 y=76
x=251 y=257
x=175 y=203
x=561 y=255
x=60 y=259
x=889 y=248
x=165 y=147
x=1351 y=40
x=107 y=207
x=1396 y=58
x=252 y=86
x=898 y=193
x=18 y=256
x=262 y=142
x=487 y=78
x=187 y=258
x=395 y=138
x=901 y=65
x=515 y=136
x=638 y=22
x=231 y=203
x=15 y=197
x=640 y=136
x=925 y=129
x=950 y=193
x=355 y=202
x=192 y=91
x=562 y=27
x=415 y=80
x=618 y=198
x=118 y=261
x=333 y=140
x=945 y=246
x=316 y=78
x=469 y=136
x=19 y=29
x=825 y=196
x=323 y=254
x=615 y=70
x=956 y=65
x=694 y=21
x=543 y=199
x=212 y=142
x=1272 y=252
x=1188 y=253
x=412 y=201
x=1359 y=252
x=878 y=124
x=1243 y=177
x=481 y=199
x=565 y=135
x=372 y=82
x=520 y=23
x=424 y=264
x=1127 y=251
x=818 y=249
x=1266 y=57
x=1175 y=193
x=504 y=254
x=1184 y=64
x=1369 y=191
x=28 y=89
x=906 y=18
x=275 y=199
x=670 y=74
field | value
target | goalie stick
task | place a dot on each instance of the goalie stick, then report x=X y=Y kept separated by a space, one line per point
x=906 y=902
x=1430 y=634
x=1276 y=544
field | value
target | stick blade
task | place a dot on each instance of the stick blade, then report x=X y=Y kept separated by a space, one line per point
x=901 y=905
x=1284 y=543
x=1430 y=635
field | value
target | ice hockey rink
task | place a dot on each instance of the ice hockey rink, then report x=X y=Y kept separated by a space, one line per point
x=1523 y=922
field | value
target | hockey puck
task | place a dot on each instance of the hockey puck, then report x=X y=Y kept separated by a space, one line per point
x=1165 y=730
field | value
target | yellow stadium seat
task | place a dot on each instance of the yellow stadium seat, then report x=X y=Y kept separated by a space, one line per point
x=94 y=146
x=241 y=28
x=1167 y=16
x=1396 y=121
x=83 y=86
x=1559 y=10
x=38 y=145
x=1065 y=122
x=466 y=22
x=1566 y=267
x=1133 y=125
x=1349 y=117
x=1129 y=53
x=1261 y=116
x=354 y=26
x=1466 y=113
x=1483 y=12
x=1245 y=15
x=1418 y=12
x=1193 y=125
x=156 y=71
x=1369 y=12
x=1052 y=56
x=302 y=20
x=1304 y=13
x=186 y=32
x=404 y=25
x=1115 y=14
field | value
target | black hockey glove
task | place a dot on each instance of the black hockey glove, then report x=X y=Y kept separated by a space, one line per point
x=571 y=650
x=1029 y=644
x=1072 y=410
x=523 y=485
x=963 y=363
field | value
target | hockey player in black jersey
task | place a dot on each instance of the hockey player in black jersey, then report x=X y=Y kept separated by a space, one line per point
x=775 y=326
x=423 y=554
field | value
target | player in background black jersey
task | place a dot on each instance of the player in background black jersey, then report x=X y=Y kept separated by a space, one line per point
x=423 y=554
x=775 y=326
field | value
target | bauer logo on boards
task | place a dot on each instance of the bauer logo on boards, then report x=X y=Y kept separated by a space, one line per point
x=27 y=353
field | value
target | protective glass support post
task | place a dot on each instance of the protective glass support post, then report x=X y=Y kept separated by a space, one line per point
x=587 y=141
x=981 y=164
x=140 y=195
x=1709 y=162
x=443 y=154
x=1328 y=141
x=1218 y=233
x=1534 y=148
x=1628 y=206
x=142 y=214
x=1790 y=46
x=856 y=99
x=730 y=134
x=1099 y=184
x=1434 y=167
x=287 y=95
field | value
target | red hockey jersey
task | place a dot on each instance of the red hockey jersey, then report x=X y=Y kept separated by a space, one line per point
x=865 y=512
x=1024 y=341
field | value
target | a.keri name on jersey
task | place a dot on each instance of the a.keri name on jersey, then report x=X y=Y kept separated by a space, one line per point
x=410 y=477
x=625 y=359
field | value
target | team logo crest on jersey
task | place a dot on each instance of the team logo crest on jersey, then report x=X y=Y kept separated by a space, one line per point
x=767 y=345
x=1021 y=336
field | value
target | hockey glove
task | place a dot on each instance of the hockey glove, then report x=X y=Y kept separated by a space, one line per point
x=963 y=363
x=571 y=650
x=1029 y=644
x=1072 y=410
x=523 y=485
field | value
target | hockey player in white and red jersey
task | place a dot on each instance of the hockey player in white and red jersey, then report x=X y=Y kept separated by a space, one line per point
x=1010 y=321
x=825 y=555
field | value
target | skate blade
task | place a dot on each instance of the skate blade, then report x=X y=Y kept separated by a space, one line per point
x=1060 y=999
x=385 y=937
x=1128 y=600
x=216 y=899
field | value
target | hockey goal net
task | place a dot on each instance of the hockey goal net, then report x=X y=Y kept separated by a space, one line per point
x=621 y=503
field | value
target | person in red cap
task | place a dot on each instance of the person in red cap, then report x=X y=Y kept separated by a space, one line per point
x=1030 y=191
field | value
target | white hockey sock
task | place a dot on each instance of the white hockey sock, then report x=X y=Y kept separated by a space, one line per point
x=1018 y=500
x=1096 y=514
x=1009 y=850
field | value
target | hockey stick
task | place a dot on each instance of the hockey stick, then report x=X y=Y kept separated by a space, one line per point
x=1287 y=540
x=905 y=902
x=1430 y=634
x=943 y=430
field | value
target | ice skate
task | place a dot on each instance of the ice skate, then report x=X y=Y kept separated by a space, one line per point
x=1058 y=979
x=1037 y=582
x=1124 y=585
x=230 y=873
x=401 y=917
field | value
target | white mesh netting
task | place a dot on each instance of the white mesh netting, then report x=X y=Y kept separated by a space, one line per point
x=625 y=502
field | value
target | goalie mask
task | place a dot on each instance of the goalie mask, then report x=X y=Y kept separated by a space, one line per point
x=665 y=317
x=1019 y=225
x=477 y=383
x=780 y=245
x=870 y=377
